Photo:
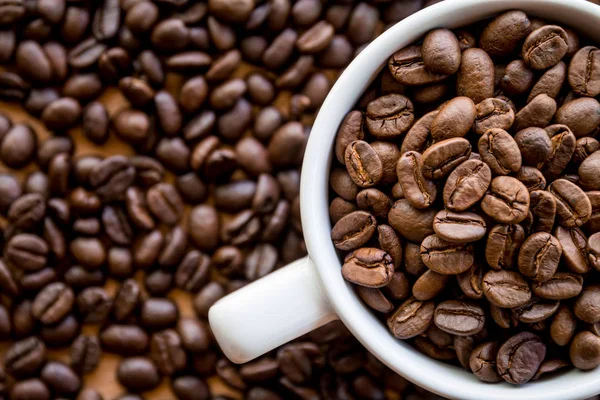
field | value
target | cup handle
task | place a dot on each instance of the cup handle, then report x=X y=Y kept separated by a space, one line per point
x=270 y=312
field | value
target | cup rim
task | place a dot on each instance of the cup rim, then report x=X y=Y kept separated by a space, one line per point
x=440 y=378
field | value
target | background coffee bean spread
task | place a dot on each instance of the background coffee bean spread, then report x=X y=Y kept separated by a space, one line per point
x=465 y=198
x=150 y=154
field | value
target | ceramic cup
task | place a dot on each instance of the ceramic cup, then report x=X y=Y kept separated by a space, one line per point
x=311 y=292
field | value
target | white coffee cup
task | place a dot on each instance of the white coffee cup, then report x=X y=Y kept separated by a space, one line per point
x=311 y=292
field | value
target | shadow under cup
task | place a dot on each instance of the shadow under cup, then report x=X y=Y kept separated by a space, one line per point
x=444 y=379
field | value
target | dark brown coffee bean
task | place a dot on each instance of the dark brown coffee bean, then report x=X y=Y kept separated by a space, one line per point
x=459 y=317
x=482 y=362
x=165 y=203
x=112 y=176
x=500 y=151
x=459 y=227
x=158 y=313
x=94 y=304
x=440 y=159
x=195 y=334
x=363 y=164
x=53 y=303
x=476 y=75
x=138 y=374
x=132 y=126
x=574 y=244
x=408 y=67
x=539 y=256
x=411 y=319
x=429 y=285
x=27 y=252
x=167 y=353
x=561 y=286
x=193 y=271
x=27 y=211
x=454 y=119
x=584 y=72
x=534 y=180
x=86 y=53
x=89 y=252
x=471 y=282
x=204 y=227
x=506 y=289
x=518 y=78
x=550 y=83
x=30 y=388
x=573 y=207
x=374 y=201
x=419 y=191
x=441 y=52
x=190 y=387
x=411 y=223
x=25 y=357
x=18 y=146
x=520 y=357
x=545 y=47
x=466 y=185
x=581 y=115
x=585 y=351
x=206 y=297
x=85 y=354
x=95 y=123
x=375 y=299
x=535 y=146
x=353 y=230
x=389 y=116
x=563 y=147
x=368 y=267
x=444 y=257
x=507 y=201
x=505 y=32
x=584 y=306
x=538 y=112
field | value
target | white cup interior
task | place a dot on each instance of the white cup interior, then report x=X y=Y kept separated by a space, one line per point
x=438 y=377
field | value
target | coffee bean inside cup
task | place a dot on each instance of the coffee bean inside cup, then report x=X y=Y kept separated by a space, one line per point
x=493 y=203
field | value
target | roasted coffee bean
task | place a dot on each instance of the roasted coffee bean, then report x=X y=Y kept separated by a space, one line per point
x=543 y=210
x=573 y=207
x=374 y=201
x=500 y=151
x=506 y=289
x=368 y=267
x=550 y=83
x=111 y=177
x=505 y=32
x=419 y=191
x=167 y=353
x=574 y=244
x=535 y=146
x=89 y=252
x=561 y=286
x=507 y=200
x=25 y=357
x=539 y=256
x=445 y=257
x=518 y=78
x=94 y=305
x=475 y=76
x=124 y=339
x=584 y=305
x=18 y=146
x=412 y=318
x=545 y=47
x=85 y=354
x=158 y=313
x=30 y=388
x=459 y=317
x=459 y=227
x=138 y=374
x=389 y=116
x=429 y=285
x=53 y=303
x=520 y=357
x=27 y=252
x=454 y=119
x=563 y=147
x=538 y=112
x=584 y=72
x=585 y=351
x=375 y=299
x=193 y=271
x=466 y=185
x=440 y=159
x=408 y=67
x=580 y=115
x=411 y=223
x=441 y=52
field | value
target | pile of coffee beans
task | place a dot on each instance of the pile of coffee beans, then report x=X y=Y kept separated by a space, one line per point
x=156 y=172
x=467 y=197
